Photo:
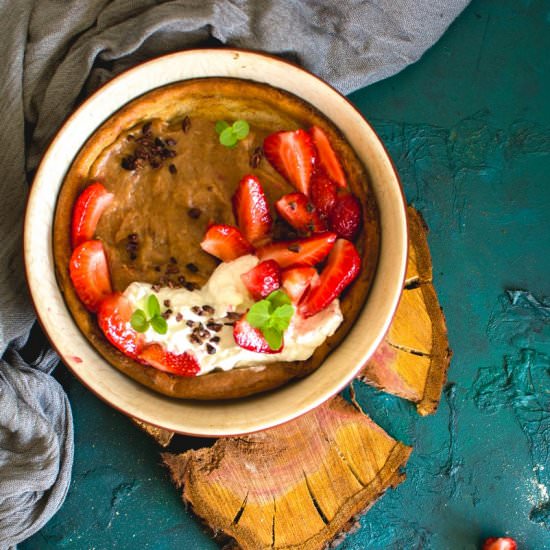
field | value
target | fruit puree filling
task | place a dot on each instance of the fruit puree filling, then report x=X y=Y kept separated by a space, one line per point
x=202 y=242
x=251 y=310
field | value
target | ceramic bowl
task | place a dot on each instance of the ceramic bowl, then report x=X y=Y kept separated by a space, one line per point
x=262 y=411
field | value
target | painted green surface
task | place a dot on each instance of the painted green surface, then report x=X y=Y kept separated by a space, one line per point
x=469 y=129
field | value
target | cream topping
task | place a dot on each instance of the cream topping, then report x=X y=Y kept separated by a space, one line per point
x=199 y=321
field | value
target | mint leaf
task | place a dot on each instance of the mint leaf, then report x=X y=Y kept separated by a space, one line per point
x=241 y=129
x=272 y=316
x=280 y=318
x=259 y=314
x=230 y=135
x=152 y=306
x=159 y=324
x=278 y=298
x=221 y=125
x=273 y=337
x=228 y=138
x=139 y=321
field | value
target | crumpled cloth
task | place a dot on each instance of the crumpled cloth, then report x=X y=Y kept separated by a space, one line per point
x=55 y=52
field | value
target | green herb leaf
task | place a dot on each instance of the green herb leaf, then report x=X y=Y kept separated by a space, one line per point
x=228 y=138
x=278 y=298
x=259 y=314
x=273 y=337
x=241 y=129
x=159 y=324
x=280 y=318
x=272 y=316
x=221 y=125
x=139 y=321
x=152 y=306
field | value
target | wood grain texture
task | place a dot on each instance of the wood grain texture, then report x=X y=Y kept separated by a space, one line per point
x=413 y=359
x=295 y=486
x=160 y=435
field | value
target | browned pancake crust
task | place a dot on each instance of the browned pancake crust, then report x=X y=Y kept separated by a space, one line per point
x=203 y=101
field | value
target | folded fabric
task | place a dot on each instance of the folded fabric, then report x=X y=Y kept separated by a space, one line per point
x=54 y=54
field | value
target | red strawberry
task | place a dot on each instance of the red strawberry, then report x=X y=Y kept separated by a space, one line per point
x=89 y=273
x=113 y=318
x=251 y=209
x=250 y=338
x=296 y=209
x=297 y=280
x=262 y=279
x=323 y=192
x=326 y=156
x=225 y=242
x=342 y=268
x=184 y=364
x=292 y=154
x=300 y=252
x=502 y=543
x=87 y=210
x=345 y=217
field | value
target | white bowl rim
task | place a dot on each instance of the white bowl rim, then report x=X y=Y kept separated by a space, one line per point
x=34 y=235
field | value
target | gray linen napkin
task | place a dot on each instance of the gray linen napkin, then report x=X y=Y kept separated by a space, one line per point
x=54 y=53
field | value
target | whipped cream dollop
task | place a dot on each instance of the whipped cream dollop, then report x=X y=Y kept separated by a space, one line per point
x=201 y=321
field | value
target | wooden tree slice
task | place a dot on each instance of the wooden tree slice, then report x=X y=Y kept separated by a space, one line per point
x=294 y=486
x=413 y=359
x=160 y=435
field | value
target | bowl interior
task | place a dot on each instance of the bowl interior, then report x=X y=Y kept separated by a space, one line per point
x=263 y=410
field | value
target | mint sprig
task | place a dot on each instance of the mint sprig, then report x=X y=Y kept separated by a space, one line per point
x=141 y=320
x=231 y=134
x=272 y=316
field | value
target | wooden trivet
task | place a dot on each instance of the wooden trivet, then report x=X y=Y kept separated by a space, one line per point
x=301 y=485
x=413 y=359
x=293 y=486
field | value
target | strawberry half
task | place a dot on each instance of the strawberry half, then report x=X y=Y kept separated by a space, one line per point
x=225 y=242
x=502 y=543
x=87 y=210
x=251 y=209
x=346 y=216
x=343 y=266
x=296 y=209
x=250 y=338
x=297 y=280
x=113 y=319
x=300 y=252
x=323 y=192
x=292 y=154
x=184 y=364
x=89 y=274
x=326 y=156
x=262 y=279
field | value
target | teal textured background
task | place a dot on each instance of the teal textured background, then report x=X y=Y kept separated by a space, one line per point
x=468 y=127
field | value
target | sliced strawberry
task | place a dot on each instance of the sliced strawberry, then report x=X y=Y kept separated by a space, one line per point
x=251 y=209
x=87 y=210
x=183 y=364
x=342 y=268
x=300 y=252
x=262 y=279
x=502 y=543
x=296 y=209
x=323 y=192
x=113 y=318
x=326 y=156
x=292 y=154
x=250 y=338
x=89 y=273
x=225 y=242
x=297 y=280
x=345 y=217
